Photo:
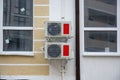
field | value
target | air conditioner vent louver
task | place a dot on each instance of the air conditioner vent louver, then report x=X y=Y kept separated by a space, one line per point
x=54 y=50
x=54 y=29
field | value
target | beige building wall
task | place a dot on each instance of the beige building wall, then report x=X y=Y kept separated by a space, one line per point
x=30 y=65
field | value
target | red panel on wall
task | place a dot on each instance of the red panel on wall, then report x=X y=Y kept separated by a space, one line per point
x=66 y=29
x=66 y=50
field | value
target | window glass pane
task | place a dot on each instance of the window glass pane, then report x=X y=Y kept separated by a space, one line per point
x=111 y=2
x=18 y=8
x=14 y=40
x=100 y=41
x=100 y=13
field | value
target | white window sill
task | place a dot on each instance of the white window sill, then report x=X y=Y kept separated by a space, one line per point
x=103 y=54
x=20 y=53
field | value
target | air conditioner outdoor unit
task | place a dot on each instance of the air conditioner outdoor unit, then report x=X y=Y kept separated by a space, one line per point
x=57 y=28
x=58 y=51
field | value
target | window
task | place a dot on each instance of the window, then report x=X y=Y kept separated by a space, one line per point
x=17 y=13
x=17 y=27
x=17 y=40
x=100 y=27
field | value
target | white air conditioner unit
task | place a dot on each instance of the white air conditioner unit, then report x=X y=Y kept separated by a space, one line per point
x=58 y=51
x=57 y=28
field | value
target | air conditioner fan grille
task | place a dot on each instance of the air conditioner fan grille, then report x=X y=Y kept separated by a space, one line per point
x=54 y=28
x=54 y=50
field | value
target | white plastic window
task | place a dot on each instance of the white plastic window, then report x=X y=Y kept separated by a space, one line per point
x=16 y=27
x=99 y=27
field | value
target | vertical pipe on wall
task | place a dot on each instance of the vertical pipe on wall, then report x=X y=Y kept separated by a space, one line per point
x=77 y=40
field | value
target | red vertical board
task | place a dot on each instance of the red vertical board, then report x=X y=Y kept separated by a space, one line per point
x=65 y=50
x=66 y=28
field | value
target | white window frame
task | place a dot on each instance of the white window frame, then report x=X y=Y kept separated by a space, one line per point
x=82 y=29
x=26 y=53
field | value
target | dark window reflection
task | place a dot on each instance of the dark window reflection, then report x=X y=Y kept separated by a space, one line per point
x=105 y=18
x=18 y=13
x=17 y=40
x=101 y=41
x=111 y=2
x=100 y=13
